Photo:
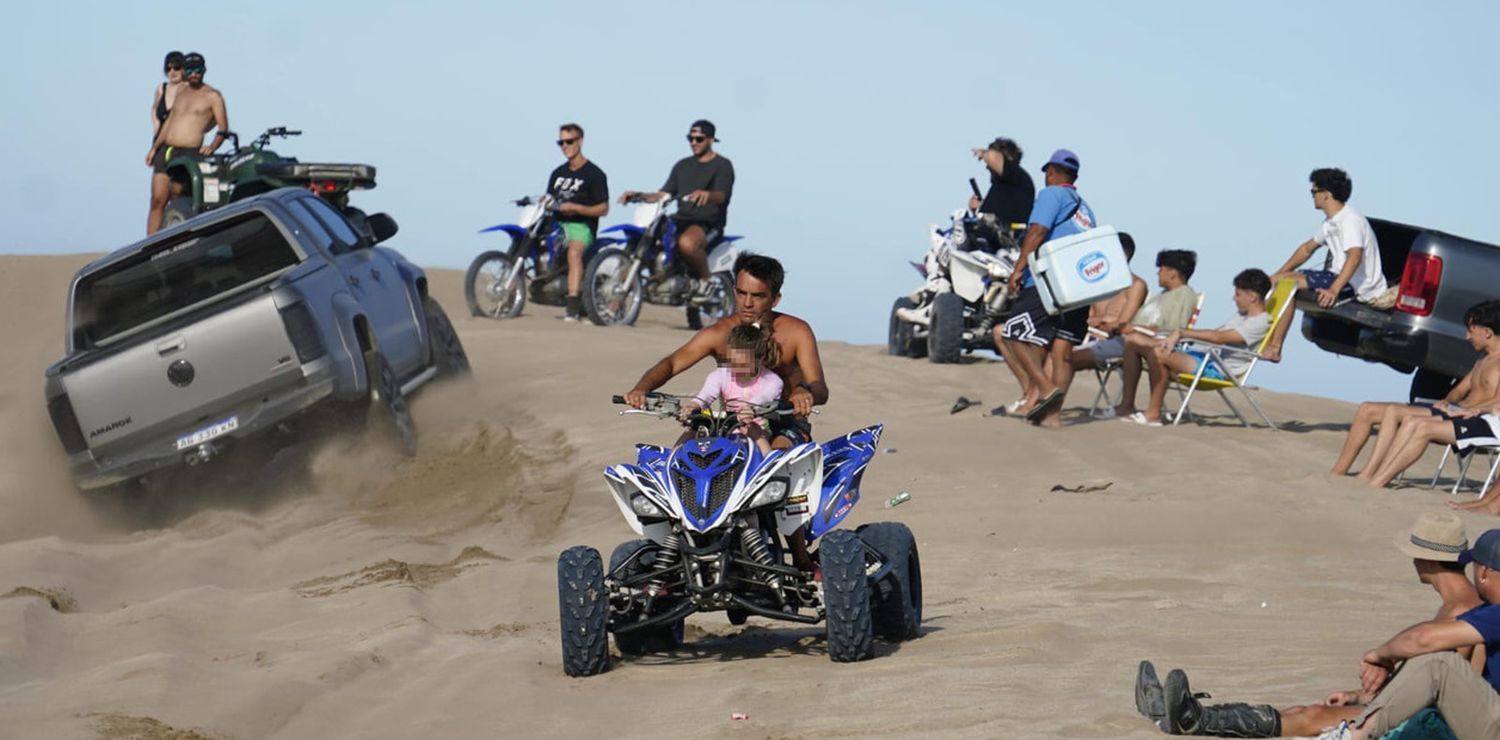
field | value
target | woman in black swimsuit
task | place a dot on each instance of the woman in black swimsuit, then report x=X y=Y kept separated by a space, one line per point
x=161 y=106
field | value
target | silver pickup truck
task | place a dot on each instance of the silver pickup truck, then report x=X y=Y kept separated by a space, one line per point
x=236 y=322
x=1440 y=277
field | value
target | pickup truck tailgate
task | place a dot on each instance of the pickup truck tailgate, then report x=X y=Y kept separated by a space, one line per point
x=188 y=385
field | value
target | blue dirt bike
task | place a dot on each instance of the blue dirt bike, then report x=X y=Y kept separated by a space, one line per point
x=498 y=283
x=645 y=268
x=711 y=513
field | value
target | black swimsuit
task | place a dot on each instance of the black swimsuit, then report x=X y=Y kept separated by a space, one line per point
x=161 y=104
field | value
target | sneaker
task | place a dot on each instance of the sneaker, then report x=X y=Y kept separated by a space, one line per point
x=1149 y=699
x=1342 y=732
x=572 y=317
x=575 y=309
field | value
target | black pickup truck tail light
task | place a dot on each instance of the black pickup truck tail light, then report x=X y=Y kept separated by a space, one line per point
x=303 y=332
x=66 y=424
x=1419 y=284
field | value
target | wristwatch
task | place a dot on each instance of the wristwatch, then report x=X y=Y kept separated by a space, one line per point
x=804 y=385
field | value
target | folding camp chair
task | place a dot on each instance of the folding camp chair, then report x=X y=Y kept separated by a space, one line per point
x=1463 y=467
x=1277 y=304
x=1101 y=399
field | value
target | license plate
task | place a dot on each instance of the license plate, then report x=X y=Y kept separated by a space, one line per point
x=209 y=432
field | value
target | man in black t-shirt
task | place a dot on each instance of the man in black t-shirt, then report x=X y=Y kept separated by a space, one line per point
x=705 y=182
x=582 y=194
x=1011 y=192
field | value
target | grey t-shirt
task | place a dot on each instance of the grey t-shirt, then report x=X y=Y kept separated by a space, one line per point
x=1252 y=329
x=1168 y=311
x=689 y=174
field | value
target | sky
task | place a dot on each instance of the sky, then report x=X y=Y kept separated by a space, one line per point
x=849 y=123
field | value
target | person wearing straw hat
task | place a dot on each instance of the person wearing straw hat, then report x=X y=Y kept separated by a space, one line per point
x=1435 y=544
x=1431 y=674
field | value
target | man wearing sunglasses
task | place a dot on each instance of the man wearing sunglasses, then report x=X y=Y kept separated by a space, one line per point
x=582 y=194
x=197 y=108
x=705 y=182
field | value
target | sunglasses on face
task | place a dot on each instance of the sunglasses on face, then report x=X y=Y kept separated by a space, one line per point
x=171 y=67
x=193 y=70
x=697 y=139
x=1315 y=191
x=567 y=142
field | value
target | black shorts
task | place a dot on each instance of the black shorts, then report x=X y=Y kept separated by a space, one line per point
x=165 y=154
x=794 y=429
x=1475 y=431
x=1030 y=323
x=712 y=232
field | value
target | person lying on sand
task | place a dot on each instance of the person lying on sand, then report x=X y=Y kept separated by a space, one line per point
x=1434 y=544
x=1431 y=673
x=1479 y=387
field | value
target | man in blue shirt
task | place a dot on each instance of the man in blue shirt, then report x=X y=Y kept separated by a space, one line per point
x=1031 y=333
x=1435 y=676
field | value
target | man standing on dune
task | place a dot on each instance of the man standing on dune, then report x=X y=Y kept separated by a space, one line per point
x=197 y=108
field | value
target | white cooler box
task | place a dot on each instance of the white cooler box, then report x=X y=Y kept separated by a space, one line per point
x=1078 y=270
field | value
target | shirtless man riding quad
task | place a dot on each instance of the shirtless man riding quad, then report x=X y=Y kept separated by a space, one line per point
x=197 y=108
x=757 y=290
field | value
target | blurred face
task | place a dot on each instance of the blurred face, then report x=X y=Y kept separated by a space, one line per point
x=1478 y=336
x=742 y=363
x=698 y=141
x=1319 y=196
x=193 y=74
x=174 y=72
x=570 y=142
x=1164 y=276
x=753 y=299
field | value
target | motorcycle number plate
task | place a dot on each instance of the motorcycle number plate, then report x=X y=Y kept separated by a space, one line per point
x=210 y=190
x=209 y=432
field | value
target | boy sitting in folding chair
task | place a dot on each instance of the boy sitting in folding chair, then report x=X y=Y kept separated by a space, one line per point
x=1230 y=359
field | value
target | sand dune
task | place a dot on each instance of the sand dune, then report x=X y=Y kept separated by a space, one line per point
x=358 y=595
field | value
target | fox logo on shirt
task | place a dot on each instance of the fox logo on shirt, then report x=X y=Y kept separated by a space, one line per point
x=567 y=187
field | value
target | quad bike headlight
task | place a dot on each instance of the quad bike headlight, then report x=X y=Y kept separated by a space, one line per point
x=643 y=506
x=771 y=493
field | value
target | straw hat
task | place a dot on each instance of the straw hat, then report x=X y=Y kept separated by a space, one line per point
x=1438 y=535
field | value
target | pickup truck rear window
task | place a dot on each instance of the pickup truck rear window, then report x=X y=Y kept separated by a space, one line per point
x=170 y=276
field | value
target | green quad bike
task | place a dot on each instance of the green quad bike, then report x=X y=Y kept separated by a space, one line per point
x=202 y=183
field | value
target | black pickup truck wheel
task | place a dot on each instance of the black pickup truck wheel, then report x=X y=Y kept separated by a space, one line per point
x=390 y=402
x=442 y=340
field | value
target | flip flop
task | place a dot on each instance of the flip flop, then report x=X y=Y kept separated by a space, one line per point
x=961 y=404
x=1045 y=405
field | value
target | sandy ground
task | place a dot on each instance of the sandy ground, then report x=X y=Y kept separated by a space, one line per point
x=355 y=595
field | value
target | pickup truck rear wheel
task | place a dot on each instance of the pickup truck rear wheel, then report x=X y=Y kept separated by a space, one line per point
x=388 y=401
x=447 y=351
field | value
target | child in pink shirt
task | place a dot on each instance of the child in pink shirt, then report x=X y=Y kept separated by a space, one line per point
x=745 y=381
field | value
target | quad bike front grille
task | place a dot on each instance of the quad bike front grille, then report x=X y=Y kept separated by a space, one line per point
x=719 y=490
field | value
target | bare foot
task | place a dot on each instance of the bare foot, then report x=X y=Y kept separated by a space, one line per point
x=1479 y=506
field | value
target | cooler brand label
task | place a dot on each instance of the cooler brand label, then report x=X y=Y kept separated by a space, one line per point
x=1093 y=267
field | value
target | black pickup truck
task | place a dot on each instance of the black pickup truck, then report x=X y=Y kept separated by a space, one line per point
x=1440 y=276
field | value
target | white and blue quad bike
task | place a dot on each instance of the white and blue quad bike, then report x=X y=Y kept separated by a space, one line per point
x=535 y=265
x=711 y=514
x=645 y=267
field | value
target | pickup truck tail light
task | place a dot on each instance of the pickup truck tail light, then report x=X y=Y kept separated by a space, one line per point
x=66 y=424
x=303 y=332
x=1419 y=284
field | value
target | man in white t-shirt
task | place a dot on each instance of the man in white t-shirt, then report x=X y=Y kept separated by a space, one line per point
x=1353 y=266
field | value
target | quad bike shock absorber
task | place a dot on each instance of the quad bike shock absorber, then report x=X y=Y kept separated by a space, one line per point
x=755 y=548
x=666 y=557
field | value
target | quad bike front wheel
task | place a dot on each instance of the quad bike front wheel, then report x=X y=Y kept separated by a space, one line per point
x=583 y=610
x=945 y=336
x=846 y=597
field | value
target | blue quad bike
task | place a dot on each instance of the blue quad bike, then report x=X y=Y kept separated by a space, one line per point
x=710 y=515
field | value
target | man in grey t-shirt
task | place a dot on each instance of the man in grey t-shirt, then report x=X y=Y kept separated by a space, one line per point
x=705 y=183
x=1243 y=331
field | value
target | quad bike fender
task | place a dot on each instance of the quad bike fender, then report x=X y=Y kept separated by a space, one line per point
x=626 y=481
x=722 y=258
x=844 y=461
x=803 y=468
x=186 y=170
